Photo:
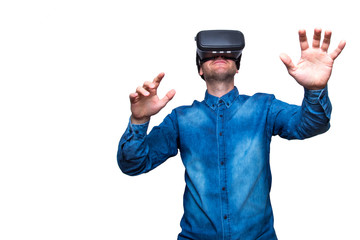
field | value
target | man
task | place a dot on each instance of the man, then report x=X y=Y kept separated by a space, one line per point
x=224 y=140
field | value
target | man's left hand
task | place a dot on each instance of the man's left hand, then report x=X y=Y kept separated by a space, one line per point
x=315 y=65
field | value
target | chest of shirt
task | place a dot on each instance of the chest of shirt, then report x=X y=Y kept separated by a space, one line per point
x=235 y=133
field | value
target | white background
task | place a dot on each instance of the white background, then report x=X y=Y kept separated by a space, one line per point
x=67 y=68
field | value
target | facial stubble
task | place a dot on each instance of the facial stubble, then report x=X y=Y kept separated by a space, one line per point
x=219 y=75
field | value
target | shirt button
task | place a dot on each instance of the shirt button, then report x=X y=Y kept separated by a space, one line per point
x=220 y=133
x=223 y=188
x=221 y=101
x=225 y=217
x=221 y=115
x=222 y=163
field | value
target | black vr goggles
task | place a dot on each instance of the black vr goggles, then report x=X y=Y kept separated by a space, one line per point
x=214 y=43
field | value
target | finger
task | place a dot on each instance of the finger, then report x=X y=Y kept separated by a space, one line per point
x=316 y=38
x=150 y=87
x=287 y=61
x=158 y=79
x=133 y=97
x=167 y=97
x=326 y=42
x=338 y=50
x=303 y=40
x=142 y=91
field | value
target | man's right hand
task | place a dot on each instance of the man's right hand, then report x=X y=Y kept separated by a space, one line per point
x=145 y=101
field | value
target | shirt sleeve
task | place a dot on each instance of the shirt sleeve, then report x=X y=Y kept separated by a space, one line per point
x=139 y=152
x=295 y=122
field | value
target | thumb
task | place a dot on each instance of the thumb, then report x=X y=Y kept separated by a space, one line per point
x=167 y=97
x=287 y=61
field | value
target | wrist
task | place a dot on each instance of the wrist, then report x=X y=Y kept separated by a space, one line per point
x=139 y=120
x=314 y=88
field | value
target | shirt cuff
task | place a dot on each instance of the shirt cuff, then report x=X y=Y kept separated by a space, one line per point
x=136 y=131
x=320 y=98
x=316 y=96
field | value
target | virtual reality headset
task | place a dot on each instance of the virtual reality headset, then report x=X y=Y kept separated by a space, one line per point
x=214 y=43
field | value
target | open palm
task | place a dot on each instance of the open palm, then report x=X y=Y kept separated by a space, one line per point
x=315 y=65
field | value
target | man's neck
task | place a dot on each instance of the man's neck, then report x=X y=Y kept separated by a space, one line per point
x=219 y=89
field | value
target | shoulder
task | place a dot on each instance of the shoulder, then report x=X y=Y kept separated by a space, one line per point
x=185 y=109
x=257 y=98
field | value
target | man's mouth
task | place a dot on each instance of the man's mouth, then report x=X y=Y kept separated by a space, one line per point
x=220 y=61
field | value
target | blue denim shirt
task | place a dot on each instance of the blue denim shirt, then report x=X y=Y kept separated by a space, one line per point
x=224 y=145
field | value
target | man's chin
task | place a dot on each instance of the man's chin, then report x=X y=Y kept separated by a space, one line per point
x=220 y=77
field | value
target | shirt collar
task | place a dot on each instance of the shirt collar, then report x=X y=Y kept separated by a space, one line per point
x=213 y=102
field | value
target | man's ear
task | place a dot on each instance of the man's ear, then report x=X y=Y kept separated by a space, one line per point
x=201 y=71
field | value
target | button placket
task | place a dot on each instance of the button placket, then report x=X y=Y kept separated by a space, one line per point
x=222 y=165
